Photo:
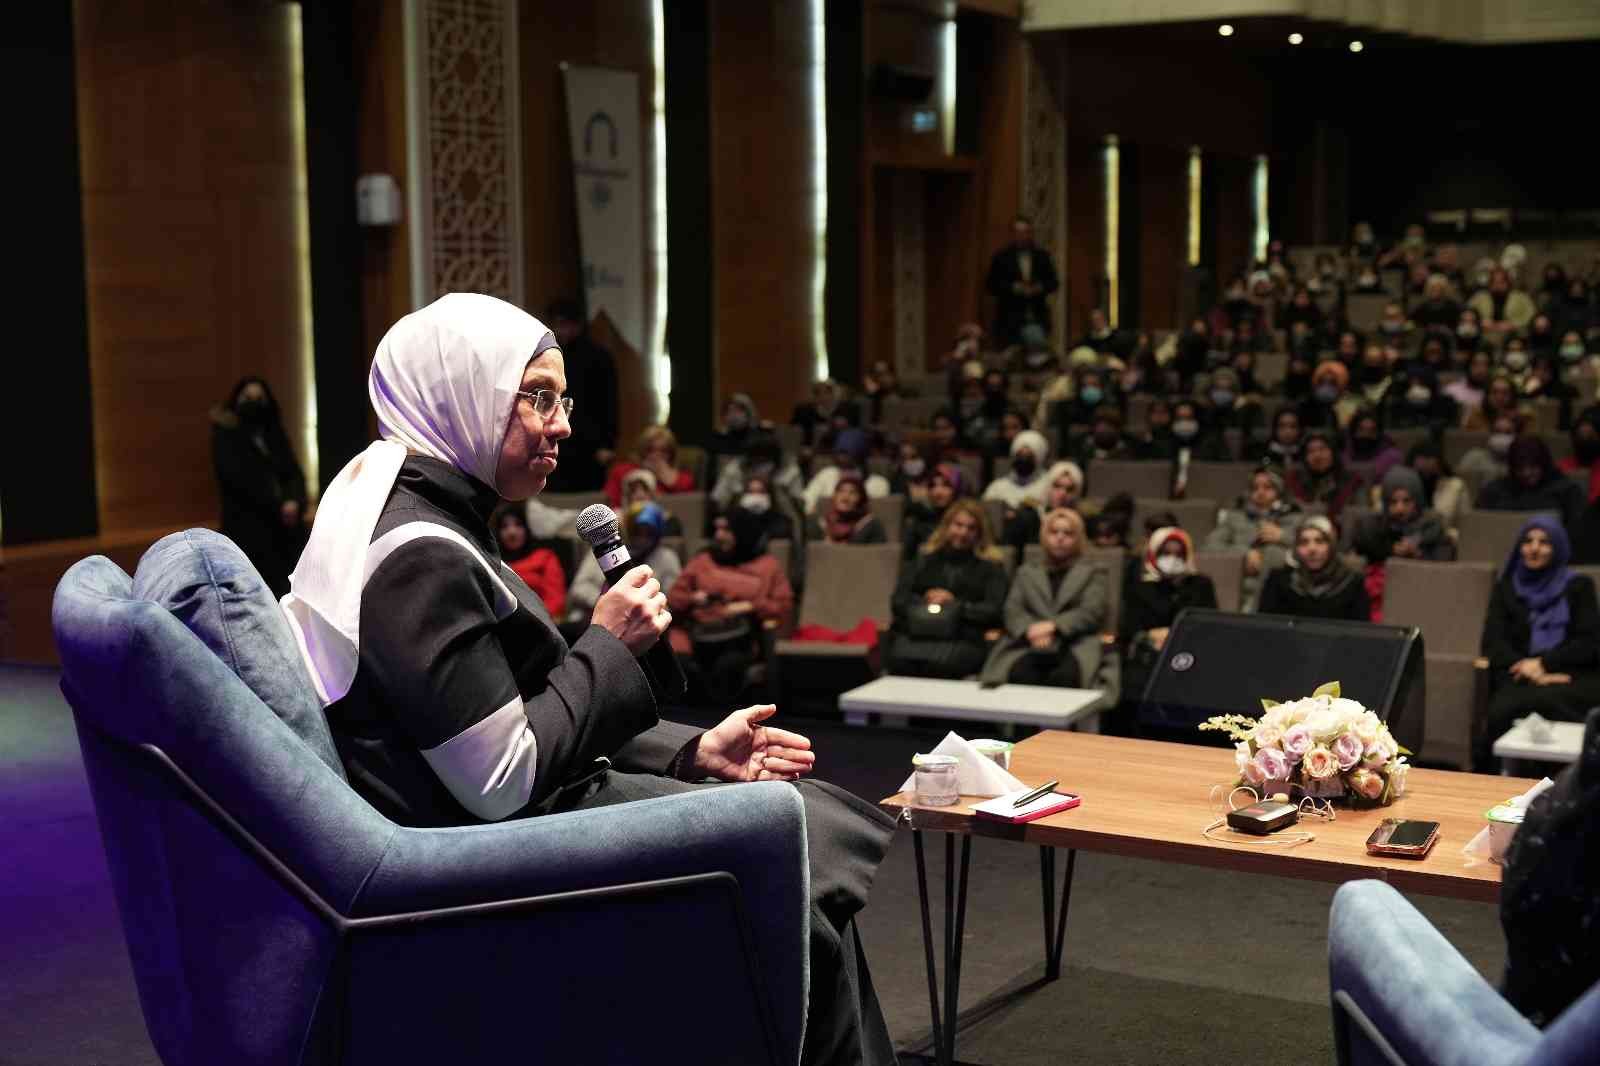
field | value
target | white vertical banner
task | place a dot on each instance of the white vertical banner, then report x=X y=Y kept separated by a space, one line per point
x=607 y=160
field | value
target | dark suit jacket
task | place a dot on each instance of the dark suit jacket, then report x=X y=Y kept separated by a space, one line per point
x=1012 y=310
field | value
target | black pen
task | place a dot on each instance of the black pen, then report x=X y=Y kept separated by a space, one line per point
x=1043 y=790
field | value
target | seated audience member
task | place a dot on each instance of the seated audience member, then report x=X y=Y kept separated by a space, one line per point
x=1370 y=451
x=998 y=446
x=1486 y=462
x=947 y=599
x=1230 y=403
x=1193 y=344
x=946 y=484
x=1072 y=416
x=1108 y=529
x=1102 y=338
x=538 y=567
x=1574 y=312
x=260 y=481
x=1157 y=588
x=1373 y=378
x=1436 y=309
x=1573 y=349
x=1502 y=309
x=1317 y=583
x=1442 y=492
x=1469 y=334
x=1392 y=325
x=1261 y=525
x=850 y=447
x=1053 y=613
x=776 y=520
x=826 y=410
x=639 y=486
x=1417 y=402
x=727 y=592
x=1025 y=481
x=1331 y=403
x=1401 y=527
x=1034 y=363
x=948 y=443
x=1541 y=637
x=1157 y=441
x=1320 y=478
x=1532 y=483
x=1064 y=486
x=1281 y=450
x=847 y=518
x=740 y=422
x=1549 y=908
x=643 y=525
x=1468 y=392
x=1104 y=439
x=911 y=470
x=1435 y=352
x=1542 y=337
x=1515 y=360
x=658 y=453
x=878 y=385
x=1585 y=457
x=1301 y=310
x=763 y=458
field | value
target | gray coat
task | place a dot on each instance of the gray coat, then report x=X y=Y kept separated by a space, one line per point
x=1078 y=609
x=1236 y=531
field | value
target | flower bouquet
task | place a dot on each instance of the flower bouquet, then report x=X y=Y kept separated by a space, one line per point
x=1328 y=745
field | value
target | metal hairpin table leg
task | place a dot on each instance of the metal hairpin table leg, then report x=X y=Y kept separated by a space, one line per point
x=955 y=920
x=1054 y=939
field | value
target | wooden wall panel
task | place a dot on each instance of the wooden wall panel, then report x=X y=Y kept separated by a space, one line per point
x=1083 y=266
x=907 y=36
x=1234 y=222
x=762 y=185
x=190 y=197
x=1162 y=185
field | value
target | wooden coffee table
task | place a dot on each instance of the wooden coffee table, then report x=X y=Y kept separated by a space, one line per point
x=1152 y=800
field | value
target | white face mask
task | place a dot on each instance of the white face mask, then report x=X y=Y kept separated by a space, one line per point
x=1418 y=396
x=756 y=502
x=1572 y=352
x=1499 y=443
x=1516 y=360
x=1171 y=565
x=1185 y=428
x=913 y=467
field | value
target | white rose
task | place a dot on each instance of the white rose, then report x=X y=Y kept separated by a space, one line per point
x=1397 y=777
x=1348 y=707
x=1241 y=756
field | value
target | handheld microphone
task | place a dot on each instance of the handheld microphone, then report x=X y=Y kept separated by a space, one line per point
x=598 y=527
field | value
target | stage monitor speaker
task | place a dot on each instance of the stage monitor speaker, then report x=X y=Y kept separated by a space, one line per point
x=905 y=84
x=1219 y=662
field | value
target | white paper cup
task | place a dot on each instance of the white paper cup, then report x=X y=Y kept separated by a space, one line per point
x=1504 y=821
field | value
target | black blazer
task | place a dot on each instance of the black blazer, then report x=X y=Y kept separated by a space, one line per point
x=979 y=586
x=1507 y=631
x=1279 y=597
x=1012 y=310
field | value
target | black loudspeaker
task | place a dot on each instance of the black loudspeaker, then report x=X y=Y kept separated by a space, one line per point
x=905 y=84
x=1218 y=662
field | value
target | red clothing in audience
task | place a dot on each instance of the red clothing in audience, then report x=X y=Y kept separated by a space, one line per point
x=760 y=581
x=1570 y=465
x=542 y=571
x=623 y=468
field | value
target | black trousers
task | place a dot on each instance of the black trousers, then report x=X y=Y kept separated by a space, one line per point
x=1058 y=668
x=912 y=657
x=1514 y=699
x=846 y=839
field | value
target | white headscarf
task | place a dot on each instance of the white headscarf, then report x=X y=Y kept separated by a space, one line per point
x=443 y=384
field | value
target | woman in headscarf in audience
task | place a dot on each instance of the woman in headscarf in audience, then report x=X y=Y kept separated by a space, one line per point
x=1542 y=335
x=1370 y=452
x=1468 y=392
x=1417 y=402
x=1331 y=404
x=1469 y=332
x=1105 y=439
x=1164 y=584
x=1025 y=481
x=1501 y=308
x=1282 y=449
x=262 y=487
x=740 y=421
x=763 y=458
x=1545 y=382
x=1261 y=525
x=1442 y=492
x=658 y=453
x=1532 y=483
x=826 y=410
x=535 y=565
x=758 y=499
x=847 y=519
x=644 y=525
x=1541 y=637
x=1484 y=463
x=1317 y=583
x=1515 y=359
x=1053 y=614
x=911 y=470
x=946 y=484
x=1230 y=406
x=1585 y=457
x=850 y=447
x=1403 y=527
x=948 y=443
x=948 y=598
x=1373 y=376
x=1320 y=478
x=728 y=592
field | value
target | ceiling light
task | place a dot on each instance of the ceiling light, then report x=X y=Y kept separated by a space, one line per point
x=1225 y=29
x=1356 y=46
x=1295 y=38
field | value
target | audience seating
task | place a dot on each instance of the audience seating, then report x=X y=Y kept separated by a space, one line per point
x=1196 y=516
x=1365 y=310
x=844 y=584
x=1487 y=536
x=972 y=471
x=1271 y=369
x=891 y=512
x=995 y=510
x=1401 y=993
x=1152 y=480
x=1226 y=571
x=1223 y=482
x=1458 y=442
x=790 y=438
x=572 y=501
x=692 y=510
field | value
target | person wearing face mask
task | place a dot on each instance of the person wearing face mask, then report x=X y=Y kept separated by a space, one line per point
x=1469 y=331
x=1230 y=403
x=763 y=458
x=1393 y=326
x=1403 y=528
x=758 y=499
x=1317 y=583
x=1484 y=463
x=1261 y=526
x=1053 y=614
x=1164 y=585
x=1501 y=308
x=1436 y=309
x=1417 y=402
x=1072 y=418
x=911 y=469
x=1373 y=375
x=1367 y=280
x=1499 y=397
x=1301 y=309
x=1331 y=404
x=644 y=526
x=1572 y=350
x=1105 y=439
x=948 y=597
x=262 y=488
x=1435 y=352
x=1370 y=452
x=1194 y=440
x=1320 y=478
x=740 y=421
x=1103 y=338
x=1532 y=483
x=1443 y=492
x=640 y=486
x=1025 y=481
x=1585 y=455
x=850 y=448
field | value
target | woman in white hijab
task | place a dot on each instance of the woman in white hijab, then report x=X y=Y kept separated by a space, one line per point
x=451 y=695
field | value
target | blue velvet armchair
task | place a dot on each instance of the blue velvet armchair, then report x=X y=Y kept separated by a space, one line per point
x=273 y=917
x=1403 y=996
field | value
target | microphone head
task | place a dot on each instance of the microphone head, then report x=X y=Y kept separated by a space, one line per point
x=597 y=524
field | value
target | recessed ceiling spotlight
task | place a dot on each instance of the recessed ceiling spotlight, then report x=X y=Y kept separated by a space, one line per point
x=1295 y=38
x=1356 y=46
x=1225 y=29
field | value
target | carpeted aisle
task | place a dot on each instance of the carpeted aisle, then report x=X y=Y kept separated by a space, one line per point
x=1164 y=964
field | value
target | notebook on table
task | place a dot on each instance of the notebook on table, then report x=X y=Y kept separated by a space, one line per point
x=1004 y=808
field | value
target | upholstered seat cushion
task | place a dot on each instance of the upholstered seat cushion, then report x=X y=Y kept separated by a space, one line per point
x=203 y=579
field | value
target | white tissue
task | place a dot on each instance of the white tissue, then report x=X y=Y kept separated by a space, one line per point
x=1478 y=846
x=976 y=774
x=1538 y=727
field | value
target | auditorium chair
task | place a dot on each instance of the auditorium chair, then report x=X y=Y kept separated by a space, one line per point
x=1271 y=368
x=845 y=583
x=1449 y=603
x=572 y=501
x=890 y=511
x=1226 y=571
x=273 y=916
x=1196 y=516
x=1489 y=536
x=692 y=510
x=1401 y=993
x=1364 y=310
x=1136 y=477
x=1223 y=482
x=1458 y=442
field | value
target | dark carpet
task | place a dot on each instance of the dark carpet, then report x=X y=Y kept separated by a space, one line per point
x=1164 y=964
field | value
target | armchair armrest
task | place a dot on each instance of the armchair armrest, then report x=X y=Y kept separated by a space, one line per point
x=1395 y=980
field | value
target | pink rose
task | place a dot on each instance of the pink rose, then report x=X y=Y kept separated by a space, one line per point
x=1268 y=736
x=1319 y=763
x=1348 y=748
x=1271 y=764
x=1367 y=784
x=1382 y=750
x=1251 y=772
x=1296 y=742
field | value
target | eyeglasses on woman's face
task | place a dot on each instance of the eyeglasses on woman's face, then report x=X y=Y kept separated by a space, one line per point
x=546 y=401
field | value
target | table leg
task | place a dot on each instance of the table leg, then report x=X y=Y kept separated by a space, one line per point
x=927 y=937
x=1055 y=940
x=955 y=918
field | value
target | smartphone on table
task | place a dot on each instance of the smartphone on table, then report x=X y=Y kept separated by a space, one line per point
x=1405 y=837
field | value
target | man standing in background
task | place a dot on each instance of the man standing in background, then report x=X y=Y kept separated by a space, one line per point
x=592 y=384
x=1021 y=279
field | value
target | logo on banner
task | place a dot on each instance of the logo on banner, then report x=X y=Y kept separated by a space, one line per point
x=600 y=187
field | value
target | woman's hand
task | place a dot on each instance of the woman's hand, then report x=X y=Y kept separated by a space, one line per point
x=634 y=610
x=1158 y=636
x=1530 y=669
x=1269 y=533
x=734 y=608
x=739 y=748
x=939 y=596
x=1252 y=562
x=289 y=513
x=1042 y=635
x=1554 y=679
